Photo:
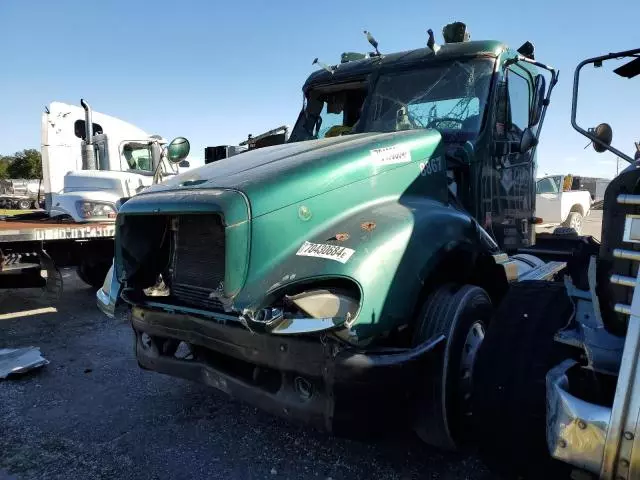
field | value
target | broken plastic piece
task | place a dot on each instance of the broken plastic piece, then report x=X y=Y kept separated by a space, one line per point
x=20 y=360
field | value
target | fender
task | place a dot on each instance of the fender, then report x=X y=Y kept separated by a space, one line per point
x=386 y=248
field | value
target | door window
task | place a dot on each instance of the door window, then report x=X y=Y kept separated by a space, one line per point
x=519 y=101
x=137 y=156
x=546 y=185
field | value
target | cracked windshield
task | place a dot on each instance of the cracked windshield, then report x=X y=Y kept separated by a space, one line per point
x=450 y=97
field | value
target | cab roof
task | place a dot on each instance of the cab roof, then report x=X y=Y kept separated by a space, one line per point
x=390 y=61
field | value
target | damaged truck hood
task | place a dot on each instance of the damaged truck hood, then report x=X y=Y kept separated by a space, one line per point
x=274 y=177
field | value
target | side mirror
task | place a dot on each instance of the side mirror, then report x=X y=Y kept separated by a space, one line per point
x=528 y=140
x=539 y=89
x=178 y=150
x=604 y=133
x=184 y=164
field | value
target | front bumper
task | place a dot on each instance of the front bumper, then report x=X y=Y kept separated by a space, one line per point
x=313 y=380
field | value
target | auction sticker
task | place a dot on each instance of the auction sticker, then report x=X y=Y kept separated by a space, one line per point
x=322 y=250
x=390 y=155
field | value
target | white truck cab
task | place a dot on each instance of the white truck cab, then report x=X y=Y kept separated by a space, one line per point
x=122 y=162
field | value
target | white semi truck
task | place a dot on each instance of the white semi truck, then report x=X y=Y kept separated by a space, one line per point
x=91 y=162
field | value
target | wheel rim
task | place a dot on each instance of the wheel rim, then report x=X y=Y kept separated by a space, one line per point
x=472 y=343
x=576 y=223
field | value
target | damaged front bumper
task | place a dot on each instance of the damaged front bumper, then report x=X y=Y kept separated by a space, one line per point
x=311 y=379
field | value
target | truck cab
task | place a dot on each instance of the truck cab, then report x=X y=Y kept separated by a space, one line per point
x=348 y=274
x=480 y=122
x=124 y=162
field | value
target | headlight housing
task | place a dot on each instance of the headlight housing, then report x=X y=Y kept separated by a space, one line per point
x=311 y=311
x=95 y=210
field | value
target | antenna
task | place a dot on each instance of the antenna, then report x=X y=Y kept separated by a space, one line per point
x=373 y=42
x=431 y=42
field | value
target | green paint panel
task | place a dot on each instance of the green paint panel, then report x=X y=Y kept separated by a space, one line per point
x=279 y=176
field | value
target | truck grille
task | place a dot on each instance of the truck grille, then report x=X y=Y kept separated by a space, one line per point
x=198 y=260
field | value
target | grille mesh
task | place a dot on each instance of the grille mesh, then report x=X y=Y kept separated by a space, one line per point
x=198 y=260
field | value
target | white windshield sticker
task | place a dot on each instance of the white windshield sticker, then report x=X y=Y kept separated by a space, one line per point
x=321 y=250
x=390 y=155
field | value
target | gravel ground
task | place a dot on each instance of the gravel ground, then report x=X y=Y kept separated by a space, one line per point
x=92 y=413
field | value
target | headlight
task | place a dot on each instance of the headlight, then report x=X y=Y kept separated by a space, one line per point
x=312 y=311
x=95 y=210
x=325 y=304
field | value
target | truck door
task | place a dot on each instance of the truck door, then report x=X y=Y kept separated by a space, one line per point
x=514 y=171
x=548 y=200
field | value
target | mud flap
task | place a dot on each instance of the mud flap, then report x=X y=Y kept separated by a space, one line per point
x=54 y=284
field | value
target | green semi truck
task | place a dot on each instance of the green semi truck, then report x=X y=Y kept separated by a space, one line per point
x=347 y=277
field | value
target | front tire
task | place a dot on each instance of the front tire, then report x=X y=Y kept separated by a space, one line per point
x=461 y=313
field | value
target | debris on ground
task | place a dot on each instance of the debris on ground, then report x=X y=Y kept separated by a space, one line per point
x=20 y=360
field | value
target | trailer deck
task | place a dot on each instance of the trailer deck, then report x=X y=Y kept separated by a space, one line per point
x=38 y=230
x=34 y=247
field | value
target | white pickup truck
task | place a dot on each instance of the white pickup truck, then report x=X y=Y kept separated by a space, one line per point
x=557 y=207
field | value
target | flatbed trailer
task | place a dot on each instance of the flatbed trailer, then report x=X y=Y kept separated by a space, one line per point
x=33 y=250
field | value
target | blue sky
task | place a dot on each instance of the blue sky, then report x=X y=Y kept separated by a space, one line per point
x=215 y=71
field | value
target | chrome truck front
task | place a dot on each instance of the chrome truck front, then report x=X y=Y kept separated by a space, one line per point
x=596 y=438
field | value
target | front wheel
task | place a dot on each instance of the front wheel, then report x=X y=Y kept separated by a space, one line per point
x=443 y=408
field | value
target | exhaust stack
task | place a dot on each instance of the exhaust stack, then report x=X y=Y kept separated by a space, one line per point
x=88 y=153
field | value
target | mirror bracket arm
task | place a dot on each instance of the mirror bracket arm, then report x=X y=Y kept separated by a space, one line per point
x=574 y=102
